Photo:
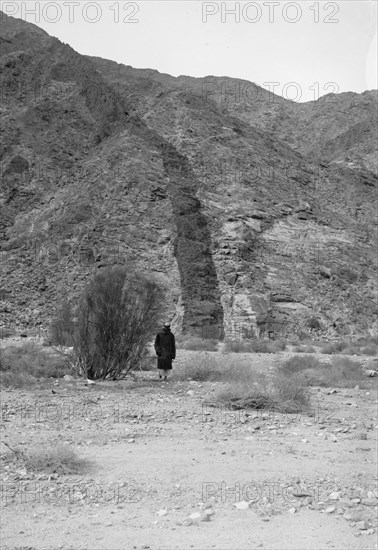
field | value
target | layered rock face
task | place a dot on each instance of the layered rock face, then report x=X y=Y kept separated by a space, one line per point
x=255 y=213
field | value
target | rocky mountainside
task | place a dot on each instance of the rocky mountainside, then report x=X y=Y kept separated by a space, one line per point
x=255 y=213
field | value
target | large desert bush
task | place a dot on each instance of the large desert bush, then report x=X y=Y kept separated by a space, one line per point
x=115 y=321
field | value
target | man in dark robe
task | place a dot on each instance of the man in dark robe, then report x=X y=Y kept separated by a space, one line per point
x=165 y=348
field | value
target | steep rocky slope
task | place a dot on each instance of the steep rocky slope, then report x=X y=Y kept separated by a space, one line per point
x=337 y=127
x=245 y=219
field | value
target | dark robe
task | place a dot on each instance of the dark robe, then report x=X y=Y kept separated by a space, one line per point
x=165 y=348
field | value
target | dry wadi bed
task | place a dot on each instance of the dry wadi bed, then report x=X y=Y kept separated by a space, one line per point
x=167 y=470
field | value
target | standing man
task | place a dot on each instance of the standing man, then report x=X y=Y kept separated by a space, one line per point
x=165 y=348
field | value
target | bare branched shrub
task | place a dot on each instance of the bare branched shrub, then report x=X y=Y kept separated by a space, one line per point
x=115 y=321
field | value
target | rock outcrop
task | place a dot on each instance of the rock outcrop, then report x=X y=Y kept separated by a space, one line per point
x=256 y=215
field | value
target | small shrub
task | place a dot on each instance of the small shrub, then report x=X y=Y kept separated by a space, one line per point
x=303 y=335
x=60 y=460
x=299 y=363
x=239 y=396
x=203 y=367
x=371 y=349
x=363 y=346
x=277 y=345
x=269 y=347
x=23 y=365
x=304 y=349
x=195 y=343
x=341 y=372
x=327 y=349
x=244 y=388
x=351 y=350
x=367 y=341
x=255 y=346
x=261 y=346
x=309 y=349
x=211 y=367
x=238 y=347
x=299 y=349
x=282 y=394
x=345 y=372
x=335 y=347
x=291 y=393
x=313 y=323
x=16 y=379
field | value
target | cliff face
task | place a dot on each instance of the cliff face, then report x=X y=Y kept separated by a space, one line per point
x=250 y=209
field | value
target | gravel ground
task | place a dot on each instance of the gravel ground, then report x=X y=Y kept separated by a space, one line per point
x=166 y=469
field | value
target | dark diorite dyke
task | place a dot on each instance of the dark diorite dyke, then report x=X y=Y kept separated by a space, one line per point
x=199 y=283
x=201 y=297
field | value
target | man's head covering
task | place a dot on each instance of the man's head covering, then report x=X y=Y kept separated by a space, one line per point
x=167 y=325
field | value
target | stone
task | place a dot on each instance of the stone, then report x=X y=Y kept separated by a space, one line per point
x=371 y=373
x=356 y=516
x=330 y=509
x=362 y=525
x=162 y=513
x=369 y=502
x=292 y=511
x=242 y=505
x=205 y=516
x=196 y=516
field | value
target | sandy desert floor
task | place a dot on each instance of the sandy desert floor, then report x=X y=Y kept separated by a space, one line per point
x=168 y=470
